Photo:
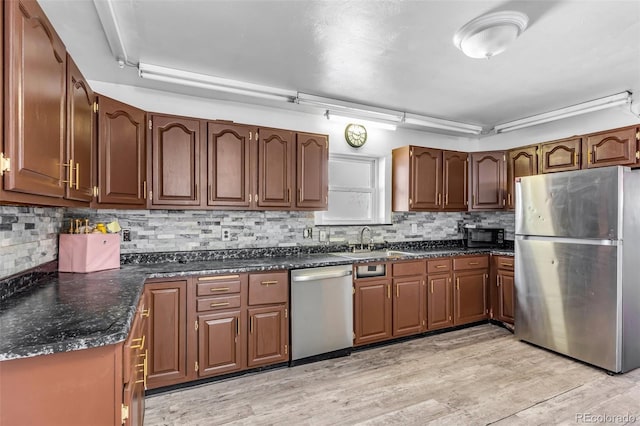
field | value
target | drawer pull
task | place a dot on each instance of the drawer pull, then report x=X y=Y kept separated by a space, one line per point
x=268 y=283
x=139 y=342
x=145 y=313
x=220 y=289
x=506 y=264
x=474 y=263
x=218 y=278
x=441 y=266
x=217 y=305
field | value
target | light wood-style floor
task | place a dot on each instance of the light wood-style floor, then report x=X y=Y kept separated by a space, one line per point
x=476 y=376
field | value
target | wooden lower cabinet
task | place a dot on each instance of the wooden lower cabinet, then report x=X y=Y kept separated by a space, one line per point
x=220 y=343
x=372 y=310
x=440 y=301
x=268 y=335
x=409 y=303
x=470 y=296
x=167 y=361
x=503 y=296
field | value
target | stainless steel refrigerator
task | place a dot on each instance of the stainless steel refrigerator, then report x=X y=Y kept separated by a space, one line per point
x=577 y=265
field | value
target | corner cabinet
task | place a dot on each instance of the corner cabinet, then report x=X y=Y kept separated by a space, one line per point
x=122 y=180
x=612 y=148
x=312 y=171
x=428 y=179
x=488 y=180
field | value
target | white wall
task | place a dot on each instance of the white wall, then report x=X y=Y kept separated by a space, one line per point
x=379 y=142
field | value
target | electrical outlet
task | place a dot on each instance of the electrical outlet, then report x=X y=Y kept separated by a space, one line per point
x=414 y=228
x=225 y=234
x=126 y=235
x=307 y=232
x=322 y=235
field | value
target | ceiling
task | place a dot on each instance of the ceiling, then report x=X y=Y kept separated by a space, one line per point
x=388 y=53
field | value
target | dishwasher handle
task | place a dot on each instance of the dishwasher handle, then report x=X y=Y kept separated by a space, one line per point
x=321 y=276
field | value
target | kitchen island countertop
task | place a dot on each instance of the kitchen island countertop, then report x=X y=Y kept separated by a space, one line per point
x=68 y=312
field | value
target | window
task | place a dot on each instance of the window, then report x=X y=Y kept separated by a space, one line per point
x=356 y=191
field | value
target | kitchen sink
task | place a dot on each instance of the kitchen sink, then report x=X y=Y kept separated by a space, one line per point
x=374 y=254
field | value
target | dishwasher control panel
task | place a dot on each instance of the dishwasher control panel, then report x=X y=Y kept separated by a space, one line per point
x=368 y=271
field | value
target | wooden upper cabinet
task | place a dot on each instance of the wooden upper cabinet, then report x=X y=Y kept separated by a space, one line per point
x=312 y=166
x=175 y=153
x=121 y=154
x=612 y=148
x=425 y=173
x=228 y=164
x=276 y=168
x=560 y=156
x=520 y=162
x=35 y=67
x=488 y=180
x=455 y=180
x=81 y=135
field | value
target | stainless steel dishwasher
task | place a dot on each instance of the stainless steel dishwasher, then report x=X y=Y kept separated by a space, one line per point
x=321 y=313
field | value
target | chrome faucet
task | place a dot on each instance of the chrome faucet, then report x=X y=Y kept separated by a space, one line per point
x=366 y=228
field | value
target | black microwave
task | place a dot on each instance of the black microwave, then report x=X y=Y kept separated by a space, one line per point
x=484 y=237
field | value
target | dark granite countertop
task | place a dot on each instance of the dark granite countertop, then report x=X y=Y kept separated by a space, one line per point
x=66 y=312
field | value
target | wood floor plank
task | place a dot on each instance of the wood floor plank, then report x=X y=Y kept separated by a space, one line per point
x=480 y=375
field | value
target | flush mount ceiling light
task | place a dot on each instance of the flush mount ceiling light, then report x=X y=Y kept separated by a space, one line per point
x=490 y=34
x=204 y=81
x=571 y=111
x=352 y=118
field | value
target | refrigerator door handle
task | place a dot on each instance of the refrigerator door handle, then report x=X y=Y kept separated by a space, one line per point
x=570 y=240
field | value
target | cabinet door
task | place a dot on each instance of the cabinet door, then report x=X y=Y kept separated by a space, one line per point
x=455 y=180
x=439 y=301
x=228 y=165
x=35 y=64
x=470 y=296
x=560 y=156
x=409 y=303
x=133 y=399
x=167 y=326
x=80 y=135
x=425 y=177
x=488 y=177
x=372 y=311
x=268 y=335
x=175 y=145
x=220 y=344
x=617 y=148
x=506 y=296
x=312 y=171
x=121 y=154
x=276 y=168
x=520 y=162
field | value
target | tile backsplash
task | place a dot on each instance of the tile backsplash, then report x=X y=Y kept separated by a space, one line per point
x=29 y=235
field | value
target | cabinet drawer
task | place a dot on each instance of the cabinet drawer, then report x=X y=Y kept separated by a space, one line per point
x=218 y=284
x=439 y=265
x=505 y=262
x=216 y=303
x=268 y=288
x=475 y=262
x=416 y=267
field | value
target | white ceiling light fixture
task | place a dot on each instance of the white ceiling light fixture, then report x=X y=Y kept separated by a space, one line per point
x=111 y=29
x=571 y=111
x=204 y=81
x=348 y=119
x=437 y=123
x=490 y=34
x=349 y=108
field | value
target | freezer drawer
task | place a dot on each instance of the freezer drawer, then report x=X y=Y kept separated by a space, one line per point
x=568 y=295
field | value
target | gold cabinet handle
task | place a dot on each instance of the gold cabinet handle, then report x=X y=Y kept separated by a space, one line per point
x=144 y=189
x=441 y=266
x=506 y=264
x=140 y=342
x=446 y=199
x=431 y=286
x=250 y=324
x=69 y=180
x=219 y=289
x=388 y=291
x=474 y=263
x=77 y=176
x=268 y=283
x=217 y=305
x=439 y=199
x=457 y=283
x=299 y=194
x=219 y=277
x=397 y=291
x=145 y=313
